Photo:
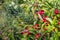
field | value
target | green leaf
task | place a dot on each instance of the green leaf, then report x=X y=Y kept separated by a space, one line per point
x=50 y=20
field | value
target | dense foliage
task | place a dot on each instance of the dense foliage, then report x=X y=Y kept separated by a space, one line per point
x=29 y=19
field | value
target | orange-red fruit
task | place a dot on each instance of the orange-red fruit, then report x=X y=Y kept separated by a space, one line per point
x=28 y=33
x=46 y=24
x=25 y=31
x=33 y=27
x=56 y=11
x=59 y=23
x=41 y=12
x=36 y=25
x=22 y=32
x=37 y=35
x=38 y=28
x=44 y=19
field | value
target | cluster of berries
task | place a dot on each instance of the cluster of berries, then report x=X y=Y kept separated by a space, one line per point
x=36 y=26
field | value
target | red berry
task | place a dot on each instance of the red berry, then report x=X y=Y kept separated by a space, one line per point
x=59 y=23
x=44 y=19
x=36 y=25
x=56 y=11
x=28 y=33
x=38 y=28
x=22 y=32
x=33 y=26
x=37 y=35
x=46 y=24
x=41 y=12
